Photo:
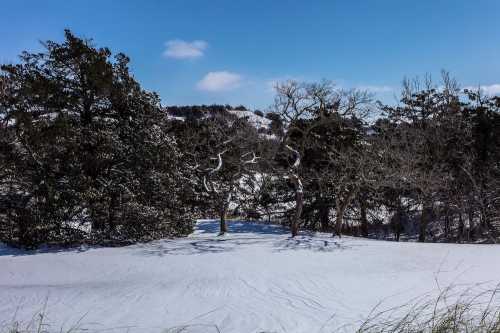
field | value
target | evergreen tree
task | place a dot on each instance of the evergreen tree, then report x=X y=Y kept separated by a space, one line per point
x=87 y=145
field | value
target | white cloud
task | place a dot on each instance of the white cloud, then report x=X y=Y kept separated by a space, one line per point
x=219 y=81
x=491 y=90
x=179 y=49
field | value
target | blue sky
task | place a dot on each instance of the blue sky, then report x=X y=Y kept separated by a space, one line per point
x=229 y=51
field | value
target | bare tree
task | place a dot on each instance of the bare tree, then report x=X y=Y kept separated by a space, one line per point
x=233 y=149
x=304 y=109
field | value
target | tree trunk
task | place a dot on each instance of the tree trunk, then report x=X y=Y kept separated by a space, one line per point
x=24 y=238
x=324 y=212
x=400 y=215
x=223 y=226
x=111 y=216
x=472 y=227
x=447 y=221
x=424 y=220
x=364 y=219
x=460 y=227
x=339 y=207
x=339 y=221
x=299 y=203
x=423 y=226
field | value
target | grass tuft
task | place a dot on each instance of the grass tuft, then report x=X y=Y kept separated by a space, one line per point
x=470 y=311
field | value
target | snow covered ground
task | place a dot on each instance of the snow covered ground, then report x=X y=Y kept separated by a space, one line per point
x=258 y=121
x=255 y=279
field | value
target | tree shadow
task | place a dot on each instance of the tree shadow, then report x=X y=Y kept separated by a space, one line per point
x=240 y=234
x=240 y=227
x=205 y=240
x=310 y=243
x=6 y=250
x=195 y=246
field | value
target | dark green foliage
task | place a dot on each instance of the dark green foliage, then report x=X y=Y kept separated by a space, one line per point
x=87 y=153
x=259 y=113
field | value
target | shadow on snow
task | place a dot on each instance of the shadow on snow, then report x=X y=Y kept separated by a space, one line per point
x=240 y=235
x=240 y=227
x=6 y=250
x=205 y=240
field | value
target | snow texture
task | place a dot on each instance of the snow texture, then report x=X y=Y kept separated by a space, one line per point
x=254 y=279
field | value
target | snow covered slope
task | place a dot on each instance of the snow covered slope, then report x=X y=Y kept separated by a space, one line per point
x=257 y=121
x=254 y=279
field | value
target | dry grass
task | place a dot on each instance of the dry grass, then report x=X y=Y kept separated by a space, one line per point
x=473 y=310
x=38 y=324
x=455 y=310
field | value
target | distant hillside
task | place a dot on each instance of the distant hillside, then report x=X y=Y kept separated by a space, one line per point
x=264 y=123
x=200 y=111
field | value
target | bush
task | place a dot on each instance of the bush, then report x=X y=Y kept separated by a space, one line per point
x=259 y=113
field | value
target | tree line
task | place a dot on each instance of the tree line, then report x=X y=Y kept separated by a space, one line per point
x=87 y=155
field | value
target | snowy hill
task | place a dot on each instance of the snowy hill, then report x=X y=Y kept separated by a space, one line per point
x=200 y=112
x=256 y=120
x=255 y=279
